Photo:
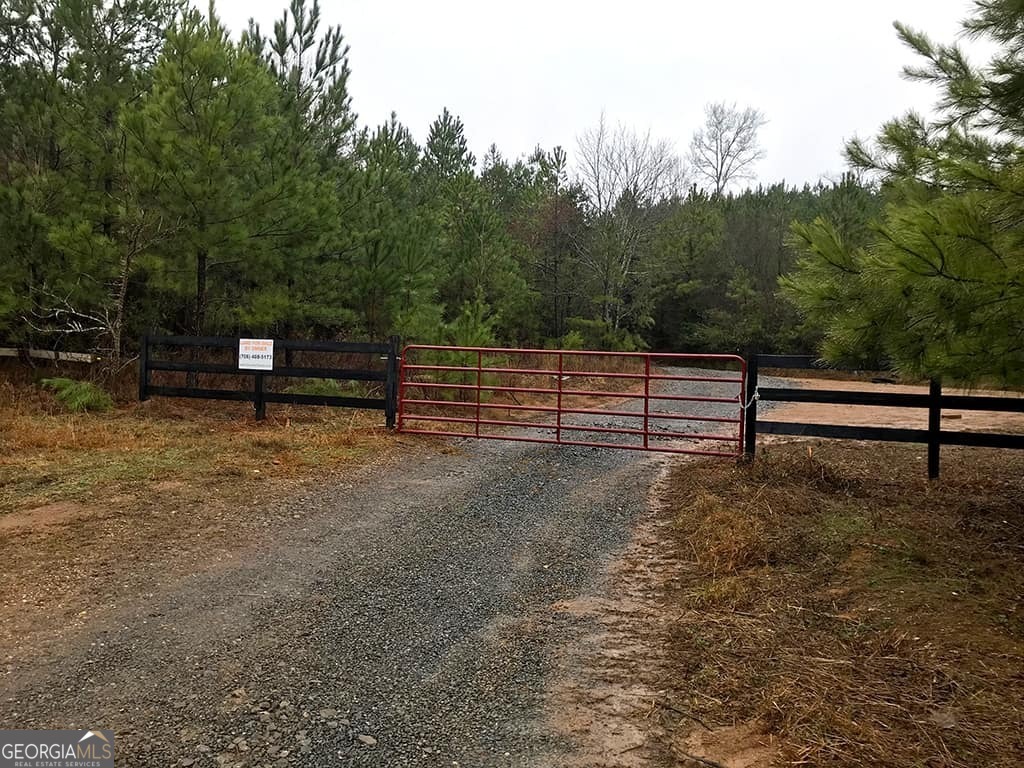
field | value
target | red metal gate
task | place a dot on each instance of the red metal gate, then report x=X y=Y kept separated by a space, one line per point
x=462 y=391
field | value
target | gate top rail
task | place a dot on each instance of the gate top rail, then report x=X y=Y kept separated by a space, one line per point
x=582 y=352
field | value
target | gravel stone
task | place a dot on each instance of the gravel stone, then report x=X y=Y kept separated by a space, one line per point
x=414 y=598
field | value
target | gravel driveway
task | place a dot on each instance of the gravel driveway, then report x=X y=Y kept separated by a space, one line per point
x=402 y=618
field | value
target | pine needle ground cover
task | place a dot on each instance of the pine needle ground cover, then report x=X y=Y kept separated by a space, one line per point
x=855 y=613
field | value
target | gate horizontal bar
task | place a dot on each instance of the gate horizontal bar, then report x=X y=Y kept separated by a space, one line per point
x=588 y=411
x=467 y=404
x=581 y=443
x=556 y=373
x=695 y=399
x=573 y=427
x=493 y=422
x=721 y=438
x=568 y=392
x=580 y=353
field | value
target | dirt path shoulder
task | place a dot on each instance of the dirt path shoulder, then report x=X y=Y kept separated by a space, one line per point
x=827 y=605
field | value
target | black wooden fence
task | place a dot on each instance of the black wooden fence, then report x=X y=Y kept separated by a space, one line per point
x=934 y=401
x=258 y=394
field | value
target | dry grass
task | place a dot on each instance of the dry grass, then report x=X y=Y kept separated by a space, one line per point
x=861 y=614
x=48 y=456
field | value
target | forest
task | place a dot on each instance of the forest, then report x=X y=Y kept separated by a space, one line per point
x=159 y=172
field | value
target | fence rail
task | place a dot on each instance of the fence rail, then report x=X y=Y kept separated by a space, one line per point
x=258 y=394
x=934 y=436
x=58 y=356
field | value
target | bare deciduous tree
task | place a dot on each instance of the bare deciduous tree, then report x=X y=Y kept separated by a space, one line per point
x=624 y=175
x=725 y=149
x=618 y=162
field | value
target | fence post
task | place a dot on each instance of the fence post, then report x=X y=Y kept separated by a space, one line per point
x=479 y=383
x=558 y=416
x=934 y=427
x=391 y=385
x=261 y=404
x=750 y=408
x=647 y=400
x=144 y=368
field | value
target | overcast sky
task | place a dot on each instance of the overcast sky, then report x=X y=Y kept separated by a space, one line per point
x=538 y=72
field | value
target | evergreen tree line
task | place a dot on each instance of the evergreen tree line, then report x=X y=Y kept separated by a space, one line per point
x=157 y=172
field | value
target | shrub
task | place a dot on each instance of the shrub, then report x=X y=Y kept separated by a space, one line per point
x=597 y=334
x=571 y=340
x=79 y=396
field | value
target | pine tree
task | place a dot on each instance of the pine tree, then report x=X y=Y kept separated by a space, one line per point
x=446 y=155
x=690 y=268
x=939 y=290
x=310 y=64
x=34 y=45
x=394 y=270
x=104 y=227
x=475 y=254
x=73 y=222
x=229 y=167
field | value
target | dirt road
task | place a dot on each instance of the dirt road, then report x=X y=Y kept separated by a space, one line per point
x=407 y=616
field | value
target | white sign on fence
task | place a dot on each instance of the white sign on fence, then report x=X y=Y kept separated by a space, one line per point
x=256 y=354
